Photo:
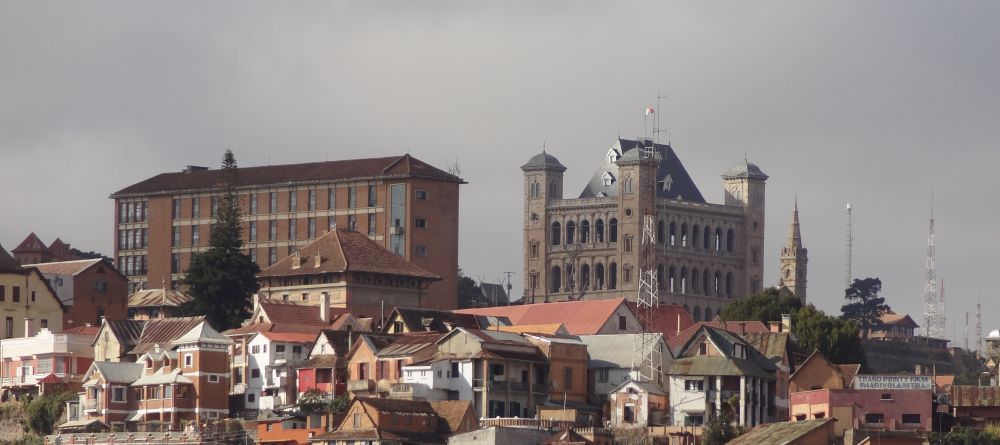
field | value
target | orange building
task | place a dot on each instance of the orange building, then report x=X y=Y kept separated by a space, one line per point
x=405 y=205
x=366 y=374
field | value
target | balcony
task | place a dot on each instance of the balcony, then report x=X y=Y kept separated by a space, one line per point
x=239 y=361
x=360 y=385
x=239 y=388
x=90 y=405
x=401 y=390
x=276 y=382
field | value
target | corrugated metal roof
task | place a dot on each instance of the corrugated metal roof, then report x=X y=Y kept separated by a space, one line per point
x=158 y=298
x=65 y=267
x=162 y=378
x=126 y=331
x=609 y=351
x=119 y=372
x=410 y=344
x=779 y=433
x=164 y=332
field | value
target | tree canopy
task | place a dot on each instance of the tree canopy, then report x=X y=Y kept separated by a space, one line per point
x=468 y=291
x=865 y=306
x=222 y=279
x=765 y=306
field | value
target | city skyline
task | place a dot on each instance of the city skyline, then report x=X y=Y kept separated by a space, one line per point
x=861 y=103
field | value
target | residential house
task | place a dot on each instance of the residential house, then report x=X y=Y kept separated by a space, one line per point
x=271 y=365
x=27 y=301
x=610 y=363
x=386 y=422
x=183 y=383
x=893 y=326
x=455 y=416
x=638 y=404
x=587 y=317
x=809 y=432
x=978 y=405
x=503 y=373
x=780 y=350
x=668 y=319
x=290 y=429
x=735 y=327
x=407 y=350
x=115 y=338
x=405 y=320
x=567 y=357
x=149 y=304
x=325 y=369
x=347 y=270
x=367 y=374
x=501 y=435
x=816 y=372
x=714 y=367
x=89 y=289
x=277 y=316
x=45 y=361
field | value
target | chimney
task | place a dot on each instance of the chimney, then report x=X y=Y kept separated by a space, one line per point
x=29 y=326
x=317 y=260
x=786 y=322
x=324 y=307
x=917 y=370
x=296 y=261
x=774 y=326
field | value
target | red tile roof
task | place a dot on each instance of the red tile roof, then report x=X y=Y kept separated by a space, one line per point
x=346 y=251
x=735 y=327
x=580 y=317
x=668 y=319
x=89 y=331
x=389 y=167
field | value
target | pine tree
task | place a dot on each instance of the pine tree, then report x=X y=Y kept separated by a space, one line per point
x=222 y=279
x=865 y=307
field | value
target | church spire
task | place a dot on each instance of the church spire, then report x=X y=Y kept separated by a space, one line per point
x=794 y=235
x=794 y=259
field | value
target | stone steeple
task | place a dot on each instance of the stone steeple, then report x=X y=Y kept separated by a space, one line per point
x=794 y=259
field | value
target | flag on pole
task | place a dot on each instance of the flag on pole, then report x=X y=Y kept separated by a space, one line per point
x=649 y=111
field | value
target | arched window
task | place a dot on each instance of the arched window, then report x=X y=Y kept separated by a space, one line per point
x=730 y=240
x=585 y=231
x=613 y=230
x=697 y=313
x=585 y=277
x=729 y=285
x=684 y=278
x=613 y=276
x=694 y=236
x=705 y=288
x=659 y=232
x=599 y=276
x=718 y=285
x=673 y=233
x=694 y=280
x=684 y=235
x=536 y=189
x=671 y=278
x=556 y=279
x=599 y=231
x=708 y=238
x=556 y=233
x=570 y=232
x=659 y=277
x=708 y=314
x=718 y=239
x=552 y=189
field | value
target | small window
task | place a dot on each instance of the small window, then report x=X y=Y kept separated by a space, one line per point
x=188 y=360
x=255 y=373
x=212 y=378
x=819 y=415
x=874 y=418
x=694 y=385
x=420 y=223
x=118 y=394
x=602 y=375
x=622 y=322
x=703 y=349
x=421 y=250
x=421 y=195
x=911 y=419
x=887 y=396
x=251 y=398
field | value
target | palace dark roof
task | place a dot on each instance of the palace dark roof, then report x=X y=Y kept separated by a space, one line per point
x=543 y=160
x=404 y=166
x=672 y=179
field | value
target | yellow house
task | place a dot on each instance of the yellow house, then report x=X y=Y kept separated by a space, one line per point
x=27 y=302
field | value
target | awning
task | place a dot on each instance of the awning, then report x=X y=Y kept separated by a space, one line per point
x=78 y=423
x=135 y=417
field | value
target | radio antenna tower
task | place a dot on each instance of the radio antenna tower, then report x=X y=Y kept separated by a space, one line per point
x=941 y=309
x=850 y=247
x=966 y=330
x=930 y=284
x=646 y=358
x=979 y=322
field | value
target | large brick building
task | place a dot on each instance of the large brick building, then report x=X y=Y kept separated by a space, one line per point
x=90 y=290
x=407 y=206
x=589 y=247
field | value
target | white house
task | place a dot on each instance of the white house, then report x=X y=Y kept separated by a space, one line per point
x=610 y=362
x=437 y=379
x=272 y=359
x=55 y=358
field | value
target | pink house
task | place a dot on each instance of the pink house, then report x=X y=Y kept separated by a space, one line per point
x=861 y=409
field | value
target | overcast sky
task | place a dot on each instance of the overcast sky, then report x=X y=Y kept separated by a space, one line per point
x=876 y=103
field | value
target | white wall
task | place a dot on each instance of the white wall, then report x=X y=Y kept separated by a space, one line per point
x=683 y=401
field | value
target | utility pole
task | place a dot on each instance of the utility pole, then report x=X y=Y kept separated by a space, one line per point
x=848 y=275
x=930 y=283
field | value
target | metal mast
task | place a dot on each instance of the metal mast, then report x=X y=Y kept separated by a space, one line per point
x=979 y=324
x=966 y=330
x=850 y=246
x=930 y=284
x=646 y=355
x=941 y=309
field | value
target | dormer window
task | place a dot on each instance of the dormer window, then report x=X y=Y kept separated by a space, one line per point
x=149 y=363
x=607 y=179
x=612 y=156
x=738 y=351
x=667 y=183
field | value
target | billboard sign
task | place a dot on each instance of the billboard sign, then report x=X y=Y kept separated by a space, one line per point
x=923 y=382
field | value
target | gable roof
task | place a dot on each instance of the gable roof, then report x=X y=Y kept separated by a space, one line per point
x=409 y=344
x=397 y=405
x=648 y=386
x=8 y=263
x=343 y=250
x=549 y=329
x=404 y=166
x=735 y=327
x=668 y=319
x=893 y=319
x=434 y=320
x=158 y=298
x=846 y=372
x=374 y=342
x=585 y=317
x=452 y=412
x=772 y=345
x=727 y=363
x=203 y=333
x=282 y=312
x=780 y=433
x=72 y=268
x=116 y=372
x=165 y=332
x=681 y=186
x=127 y=332
x=498 y=344
x=342 y=343
x=31 y=244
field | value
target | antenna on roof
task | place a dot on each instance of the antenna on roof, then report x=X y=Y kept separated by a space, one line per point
x=453 y=169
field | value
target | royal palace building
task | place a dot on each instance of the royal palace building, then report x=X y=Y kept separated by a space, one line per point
x=590 y=247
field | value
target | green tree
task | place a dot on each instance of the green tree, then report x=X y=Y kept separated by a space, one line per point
x=837 y=339
x=468 y=291
x=864 y=305
x=41 y=414
x=222 y=279
x=964 y=436
x=765 y=306
x=720 y=429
